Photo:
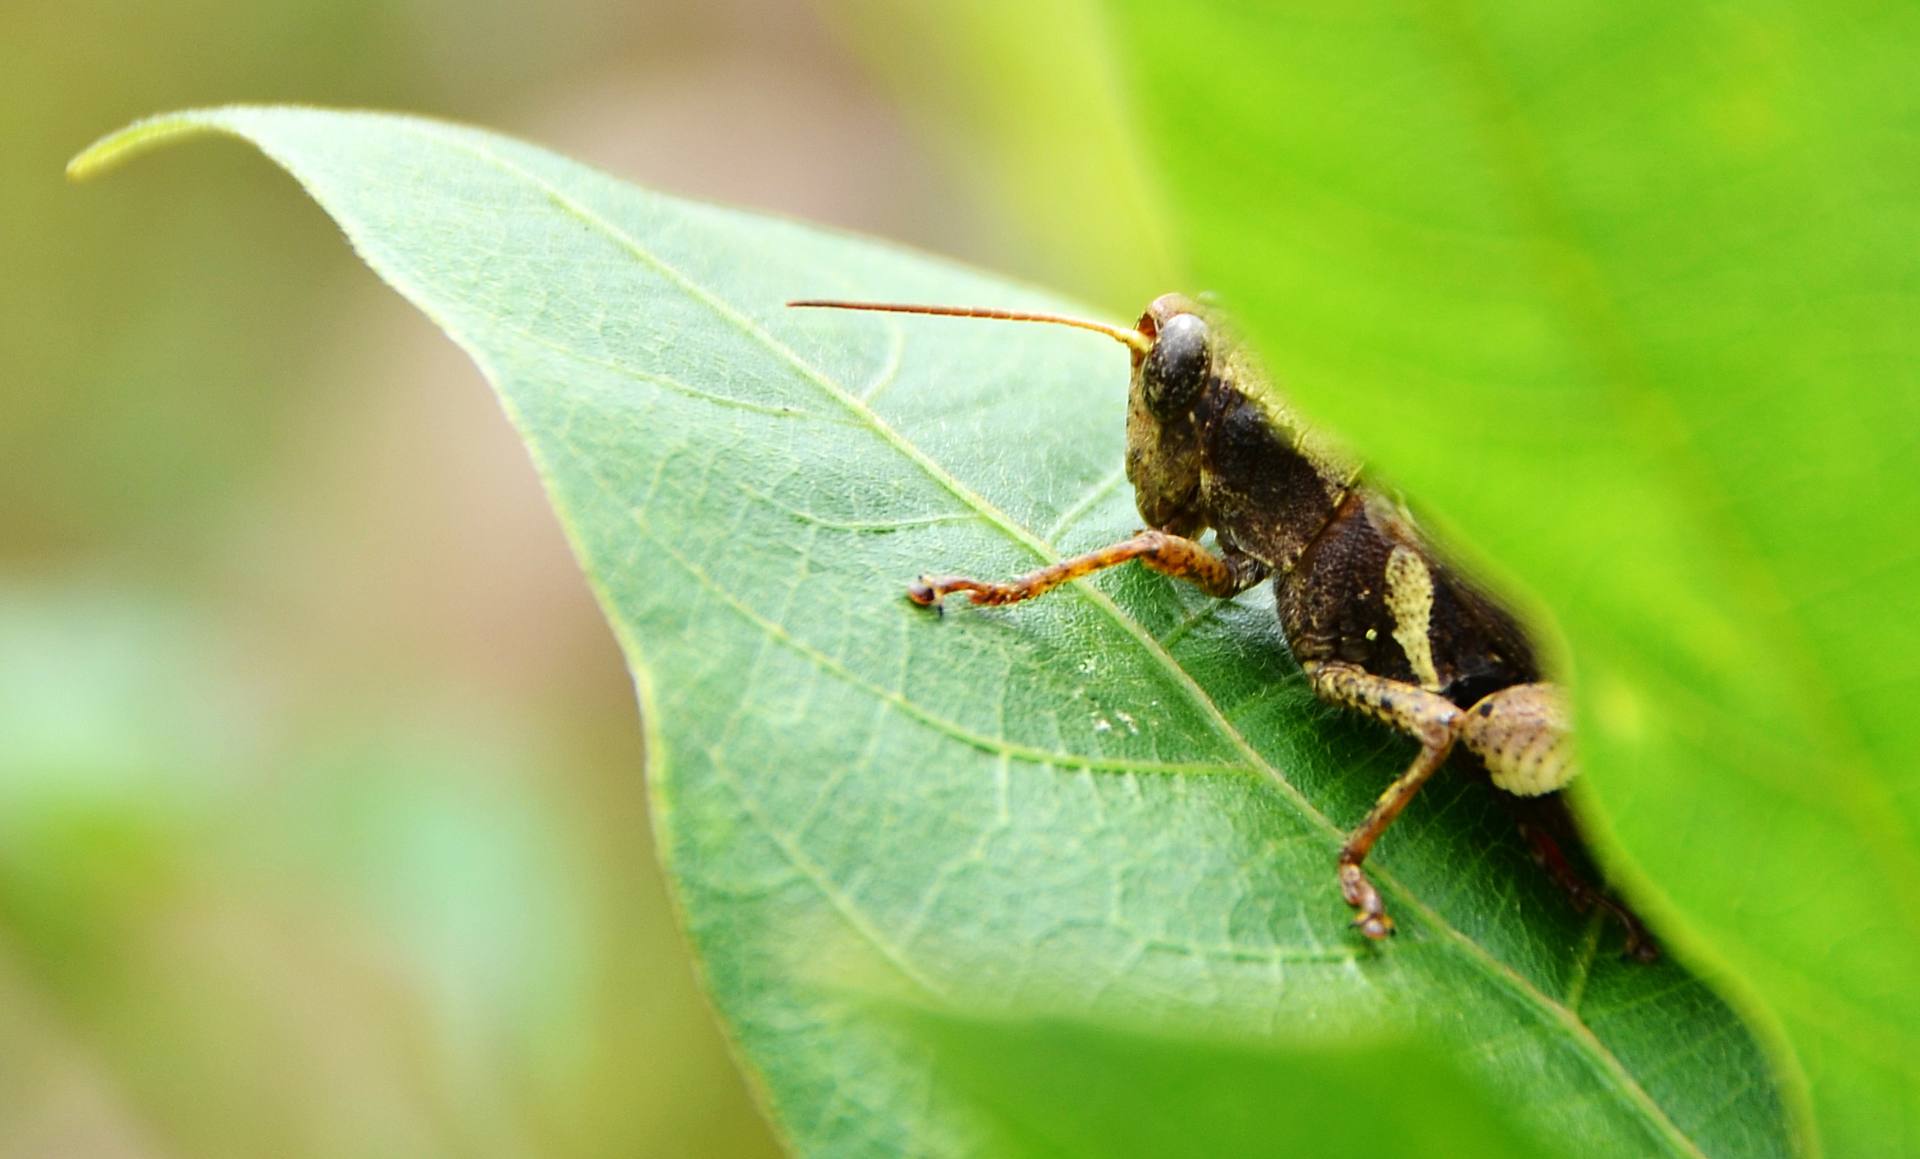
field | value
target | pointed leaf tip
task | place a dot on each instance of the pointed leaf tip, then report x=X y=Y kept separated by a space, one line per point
x=122 y=144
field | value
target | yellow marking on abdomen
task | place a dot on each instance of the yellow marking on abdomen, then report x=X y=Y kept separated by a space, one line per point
x=1410 y=603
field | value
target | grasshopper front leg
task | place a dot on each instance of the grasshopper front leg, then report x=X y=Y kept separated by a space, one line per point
x=1217 y=575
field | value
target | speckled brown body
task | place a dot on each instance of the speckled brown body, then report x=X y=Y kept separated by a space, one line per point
x=1379 y=621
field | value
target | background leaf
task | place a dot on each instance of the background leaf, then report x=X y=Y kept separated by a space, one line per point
x=1117 y=807
x=1025 y=106
x=1629 y=290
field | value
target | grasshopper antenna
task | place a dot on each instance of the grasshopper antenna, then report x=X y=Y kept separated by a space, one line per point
x=1139 y=343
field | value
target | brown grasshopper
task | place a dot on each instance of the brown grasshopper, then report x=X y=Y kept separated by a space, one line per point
x=1378 y=621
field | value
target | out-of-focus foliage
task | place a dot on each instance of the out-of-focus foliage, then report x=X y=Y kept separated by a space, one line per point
x=1026 y=102
x=1632 y=292
x=1118 y=812
x=392 y=943
x=232 y=927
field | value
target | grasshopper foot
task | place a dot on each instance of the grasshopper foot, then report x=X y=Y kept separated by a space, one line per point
x=929 y=590
x=921 y=592
x=1640 y=946
x=1370 y=916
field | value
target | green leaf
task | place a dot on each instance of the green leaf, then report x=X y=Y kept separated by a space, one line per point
x=1629 y=291
x=1115 y=808
x=1057 y=1088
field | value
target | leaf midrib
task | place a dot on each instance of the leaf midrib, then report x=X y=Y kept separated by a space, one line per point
x=1606 y=1063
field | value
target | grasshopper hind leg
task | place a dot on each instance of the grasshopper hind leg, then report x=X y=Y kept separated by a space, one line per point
x=1522 y=735
x=1429 y=718
x=1553 y=838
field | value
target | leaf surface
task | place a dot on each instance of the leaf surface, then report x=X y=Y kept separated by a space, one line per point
x=1114 y=809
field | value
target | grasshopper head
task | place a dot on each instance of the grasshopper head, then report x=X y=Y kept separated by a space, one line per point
x=1163 y=445
x=1196 y=373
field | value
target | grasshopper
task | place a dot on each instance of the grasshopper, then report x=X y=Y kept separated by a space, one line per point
x=1379 y=622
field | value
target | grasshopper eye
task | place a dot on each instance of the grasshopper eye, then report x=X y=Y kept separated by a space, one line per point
x=1177 y=366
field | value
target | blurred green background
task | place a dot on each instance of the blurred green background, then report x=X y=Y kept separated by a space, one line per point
x=321 y=822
